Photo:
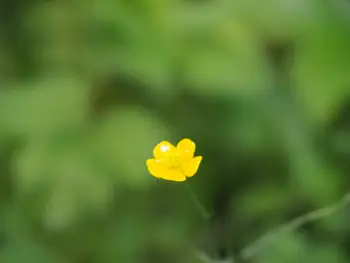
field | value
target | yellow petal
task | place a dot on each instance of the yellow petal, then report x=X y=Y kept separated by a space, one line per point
x=163 y=150
x=190 y=167
x=186 y=149
x=174 y=175
x=155 y=168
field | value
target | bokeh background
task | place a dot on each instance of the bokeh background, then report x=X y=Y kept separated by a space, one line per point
x=89 y=87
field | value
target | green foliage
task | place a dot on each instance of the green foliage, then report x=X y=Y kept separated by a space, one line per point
x=88 y=88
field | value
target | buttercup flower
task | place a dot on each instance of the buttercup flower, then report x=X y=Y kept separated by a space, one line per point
x=174 y=163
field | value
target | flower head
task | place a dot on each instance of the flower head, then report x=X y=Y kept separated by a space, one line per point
x=174 y=163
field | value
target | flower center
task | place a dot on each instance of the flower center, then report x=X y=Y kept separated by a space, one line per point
x=174 y=161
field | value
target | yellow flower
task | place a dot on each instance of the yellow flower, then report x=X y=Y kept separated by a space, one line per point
x=174 y=163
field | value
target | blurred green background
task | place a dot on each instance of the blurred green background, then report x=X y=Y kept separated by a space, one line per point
x=88 y=88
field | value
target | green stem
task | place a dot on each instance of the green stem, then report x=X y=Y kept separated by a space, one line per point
x=197 y=203
x=259 y=244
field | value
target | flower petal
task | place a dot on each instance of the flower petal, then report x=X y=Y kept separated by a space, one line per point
x=163 y=149
x=190 y=167
x=186 y=149
x=174 y=175
x=155 y=168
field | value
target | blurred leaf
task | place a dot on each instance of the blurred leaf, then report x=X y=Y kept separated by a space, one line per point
x=322 y=68
x=288 y=248
x=31 y=164
x=294 y=249
x=224 y=59
x=327 y=253
x=335 y=225
x=27 y=251
x=126 y=140
x=314 y=179
x=45 y=107
x=75 y=185
x=264 y=200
